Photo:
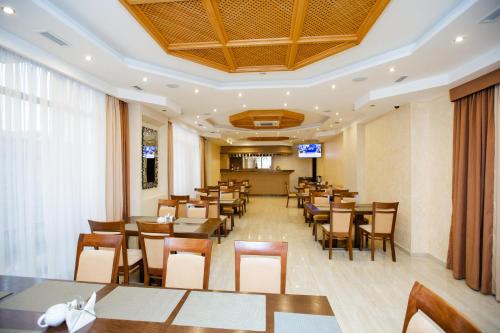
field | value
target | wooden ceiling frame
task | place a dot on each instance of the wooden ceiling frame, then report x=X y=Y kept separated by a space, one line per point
x=196 y=51
x=286 y=119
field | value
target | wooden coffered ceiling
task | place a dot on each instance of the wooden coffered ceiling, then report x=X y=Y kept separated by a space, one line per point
x=256 y=35
x=268 y=138
x=285 y=119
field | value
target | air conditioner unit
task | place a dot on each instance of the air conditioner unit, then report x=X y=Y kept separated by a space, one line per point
x=266 y=123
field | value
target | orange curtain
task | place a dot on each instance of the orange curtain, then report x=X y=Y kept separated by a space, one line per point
x=170 y=163
x=471 y=235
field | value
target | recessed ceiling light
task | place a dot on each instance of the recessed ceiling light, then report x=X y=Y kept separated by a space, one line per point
x=316 y=107
x=336 y=113
x=196 y=123
x=244 y=105
x=340 y=119
x=196 y=91
x=144 y=79
x=8 y=10
x=240 y=94
x=331 y=125
x=288 y=93
x=215 y=110
x=392 y=69
x=198 y=117
x=88 y=57
x=333 y=86
x=317 y=128
x=284 y=104
x=459 y=39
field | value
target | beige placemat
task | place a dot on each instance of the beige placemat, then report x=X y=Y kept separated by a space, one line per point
x=185 y=227
x=191 y=220
x=4 y=293
x=223 y=311
x=285 y=322
x=140 y=304
x=47 y=293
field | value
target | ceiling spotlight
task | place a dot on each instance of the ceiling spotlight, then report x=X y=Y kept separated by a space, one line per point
x=196 y=123
x=336 y=113
x=316 y=107
x=198 y=117
x=8 y=10
x=196 y=91
x=288 y=93
x=88 y=57
x=459 y=39
x=144 y=79
x=244 y=105
x=392 y=69
x=240 y=94
x=340 y=119
x=333 y=86
x=317 y=128
x=331 y=125
x=284 y=104
x=215 y=110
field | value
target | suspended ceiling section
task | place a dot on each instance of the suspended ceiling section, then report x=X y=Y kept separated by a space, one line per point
x=267 y=119
x=256 y=36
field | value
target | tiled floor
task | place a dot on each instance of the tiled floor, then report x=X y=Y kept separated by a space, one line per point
x=365 y=296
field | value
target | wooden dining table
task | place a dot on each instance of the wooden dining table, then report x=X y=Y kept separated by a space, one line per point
x=13 y=320
x=360 y=210
x=203 y=230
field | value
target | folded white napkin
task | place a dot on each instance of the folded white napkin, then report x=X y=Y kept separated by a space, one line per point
x=76 y=319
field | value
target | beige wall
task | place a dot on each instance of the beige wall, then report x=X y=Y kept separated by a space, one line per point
x=224 y=161
x=431 y=169
x=331 y=164
x=213 y=163
x=302 y=166
x=387 y=168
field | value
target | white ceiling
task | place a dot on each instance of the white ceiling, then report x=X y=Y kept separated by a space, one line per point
x=416 y=37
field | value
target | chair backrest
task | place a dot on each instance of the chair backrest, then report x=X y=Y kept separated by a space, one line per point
x=320 y=198
x=384 y=217
x=246 y=182
x=197 y=209
x=95 y=265
x=227 y=193
x=337 y=195
x=167 y=206
x=349 y=197
x=342 y=217
x=257 y=271
x=437 y=312
x=151 y=236
x=181 y=204
x=112 y=228
x=213 y=191
x=186 y=270
x=201 y=191
x=213 y=206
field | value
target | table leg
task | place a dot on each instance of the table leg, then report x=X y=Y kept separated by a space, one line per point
x=358 y=220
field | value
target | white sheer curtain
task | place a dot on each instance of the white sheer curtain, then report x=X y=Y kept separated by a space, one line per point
x=52 y=162
x=187 y=165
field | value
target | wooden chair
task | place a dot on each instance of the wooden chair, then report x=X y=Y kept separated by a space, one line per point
x=289 y=194
x=318 y=198
x=186 y=270
x=167 y=206
x=214 y=212
x=151 y=238
x=228 y=210
x=337 y=194
x=340 y=226
x=94 y=265
x=242 y=195
x=197 y=209
x=382 y=226
x=256 y=272
x=437 y=313
x=213 y=191
x=181 y=204
x=130 y=259
x=201 y=192
x=349 y=197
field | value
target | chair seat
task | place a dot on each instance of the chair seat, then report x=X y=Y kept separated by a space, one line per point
x=366 y=227
x=133 y=256
x=227 y=210
x=320 y=217
x=292 y=194
x=326 y=229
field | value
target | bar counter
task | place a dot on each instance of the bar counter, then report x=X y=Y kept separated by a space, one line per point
x=263 y=181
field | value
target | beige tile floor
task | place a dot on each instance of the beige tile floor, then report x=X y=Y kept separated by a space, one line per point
x=365 y=296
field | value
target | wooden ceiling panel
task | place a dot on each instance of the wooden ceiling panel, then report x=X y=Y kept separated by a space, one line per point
x=247 y=20
x=260 y=55
x=268 y=138
x=285 y=118
x=265 y=35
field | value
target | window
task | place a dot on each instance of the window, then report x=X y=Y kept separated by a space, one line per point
x=257 y=162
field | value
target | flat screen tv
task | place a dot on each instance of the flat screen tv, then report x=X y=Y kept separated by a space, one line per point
x=149 y=151
x=310 y=150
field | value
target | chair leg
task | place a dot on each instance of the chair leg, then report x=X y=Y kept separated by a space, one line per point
x=323 y=241
x=372 y=245
x=360 y=245
x=393 y=250
x=383 y=244
x=349 y=247
x=125 y=276
x=330 y=245
x=287 y=199
x=146 y=277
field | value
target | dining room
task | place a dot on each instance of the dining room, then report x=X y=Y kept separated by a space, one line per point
x=249 y=166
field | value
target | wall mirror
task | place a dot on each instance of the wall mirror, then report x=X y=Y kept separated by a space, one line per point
x=149 y=158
